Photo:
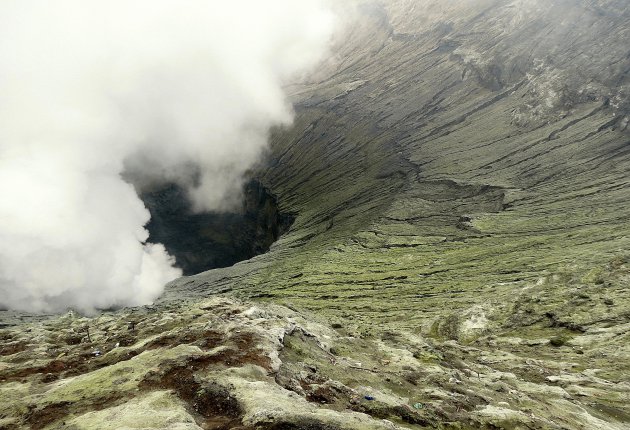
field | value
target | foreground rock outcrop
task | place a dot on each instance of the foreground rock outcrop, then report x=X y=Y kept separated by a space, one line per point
x=552 y=356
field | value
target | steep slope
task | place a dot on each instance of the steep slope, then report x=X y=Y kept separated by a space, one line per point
x=456 y=163
x=451 y=147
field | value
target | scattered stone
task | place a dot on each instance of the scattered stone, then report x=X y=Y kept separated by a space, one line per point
x=558 y=341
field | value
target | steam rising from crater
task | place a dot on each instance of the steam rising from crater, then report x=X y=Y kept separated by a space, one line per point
x=90 y=89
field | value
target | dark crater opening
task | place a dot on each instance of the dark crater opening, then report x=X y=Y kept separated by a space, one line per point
x=203 y=241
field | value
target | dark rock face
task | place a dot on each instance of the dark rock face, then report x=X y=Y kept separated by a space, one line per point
x=203 y=241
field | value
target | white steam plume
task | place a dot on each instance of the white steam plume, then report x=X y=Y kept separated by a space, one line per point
x=88 y=87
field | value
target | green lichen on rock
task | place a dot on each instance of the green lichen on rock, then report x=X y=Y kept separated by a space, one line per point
x=156 y=410
x=224 y=363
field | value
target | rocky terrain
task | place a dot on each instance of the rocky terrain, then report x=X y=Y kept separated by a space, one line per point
x=554 y=356
x=459 y=173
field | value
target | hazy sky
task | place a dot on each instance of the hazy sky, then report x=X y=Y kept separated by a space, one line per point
x=88 y=87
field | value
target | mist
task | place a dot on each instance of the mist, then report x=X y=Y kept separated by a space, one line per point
x=155 y=89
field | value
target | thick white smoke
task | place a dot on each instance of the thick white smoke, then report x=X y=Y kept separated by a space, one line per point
x=91 y=87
